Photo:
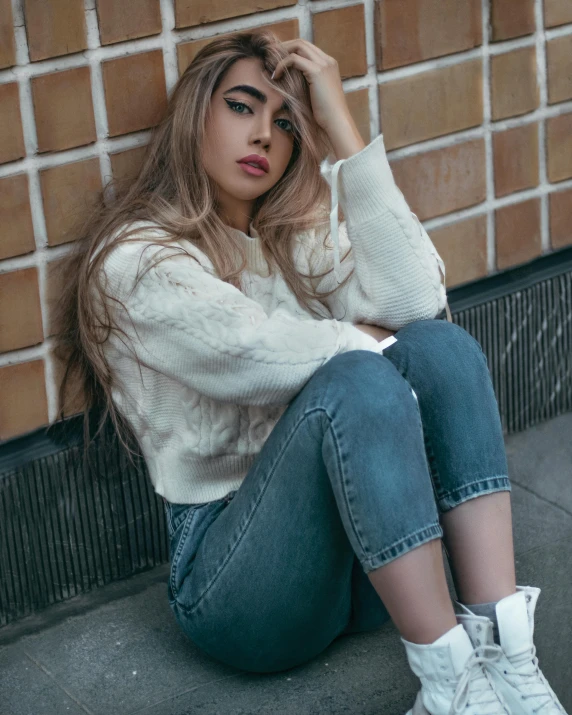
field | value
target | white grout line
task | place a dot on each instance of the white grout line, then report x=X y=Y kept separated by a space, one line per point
x=136 y=46
x=169 y=44
x=371 y=61
x=36 y=352
x=22 y=55
x=37 y=211
x=68 y=156
x=542 y=84
x=479 y=131
x=486 y=129
x=488 y=208
x=306 y=29
x=552 y=32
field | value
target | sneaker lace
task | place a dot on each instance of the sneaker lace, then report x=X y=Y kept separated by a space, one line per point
x=529 y=674
x=474 y=688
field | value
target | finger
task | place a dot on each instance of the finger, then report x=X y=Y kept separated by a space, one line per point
x=293 y=60
x=302 y=45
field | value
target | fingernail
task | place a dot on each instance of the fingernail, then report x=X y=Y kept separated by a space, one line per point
x=273 y=74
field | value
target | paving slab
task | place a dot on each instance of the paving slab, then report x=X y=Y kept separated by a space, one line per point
x=124 y=655
x=26 y=688
x=546 y=471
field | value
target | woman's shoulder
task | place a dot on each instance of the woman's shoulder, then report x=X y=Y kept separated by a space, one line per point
x=143 y=242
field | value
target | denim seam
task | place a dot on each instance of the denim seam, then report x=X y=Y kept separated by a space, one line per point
x=189 y=608
x=344 y=488
x=169 y=520
x=421 y=536
x=430 y=454
x=477 y=481
x=501 y=482
x=175 y=561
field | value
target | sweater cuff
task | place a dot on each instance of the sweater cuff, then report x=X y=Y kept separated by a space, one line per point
x=367 y=186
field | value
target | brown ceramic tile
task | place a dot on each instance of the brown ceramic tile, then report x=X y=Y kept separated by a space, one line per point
x=463 y=248
x=11 y=137
x=561 y=218
x=559 y=147
x=7 y=40
x=20 y=312
x=17 y=233
x=358 y=104
x=198 y=12
x=410 y=31
x=512 y=18
x=444 y=180
x=517 y=233
x=558 y=55
x=332 y=29
x=63 y=109
x=431 y=104
x=68 y=192
x=186 y=51
x=24 y=405
x=127 y=164
x=55 y=281
x=557 y=12
x=135 y=92
x=515 y=159
x=119 y=22
x=54 y=27
x=74 y=395
x=513 y=83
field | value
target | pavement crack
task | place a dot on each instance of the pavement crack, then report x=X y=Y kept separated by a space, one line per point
x=43 y=668
x=184 y=692
x=539 y=496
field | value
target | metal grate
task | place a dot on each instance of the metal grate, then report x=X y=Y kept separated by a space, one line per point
x=64 y=533
x=527 y=338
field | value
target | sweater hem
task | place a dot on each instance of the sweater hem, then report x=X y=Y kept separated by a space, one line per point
x=196 y=480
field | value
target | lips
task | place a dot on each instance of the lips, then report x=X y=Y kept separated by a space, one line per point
x=259 y=161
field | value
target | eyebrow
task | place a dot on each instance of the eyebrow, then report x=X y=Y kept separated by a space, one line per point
x=256 y=93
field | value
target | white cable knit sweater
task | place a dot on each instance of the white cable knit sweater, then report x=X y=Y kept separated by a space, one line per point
x=219 y=366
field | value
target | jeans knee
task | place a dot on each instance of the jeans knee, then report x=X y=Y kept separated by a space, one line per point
x=446 y=345
x=369 y=380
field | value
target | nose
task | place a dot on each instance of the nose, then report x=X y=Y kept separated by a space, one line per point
x=263 y=131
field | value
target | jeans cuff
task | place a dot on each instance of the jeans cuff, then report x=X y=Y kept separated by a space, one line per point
x=408 y=543
x=473 y=489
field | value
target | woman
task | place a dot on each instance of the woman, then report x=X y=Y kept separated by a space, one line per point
x=307 y=484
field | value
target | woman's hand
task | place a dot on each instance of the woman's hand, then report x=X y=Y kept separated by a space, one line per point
x=378 y=333
x=323 y=75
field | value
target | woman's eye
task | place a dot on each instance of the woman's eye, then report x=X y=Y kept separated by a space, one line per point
x=290 y=128
x=234 y=105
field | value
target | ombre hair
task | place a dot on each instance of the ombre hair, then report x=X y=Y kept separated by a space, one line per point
x=173 y=191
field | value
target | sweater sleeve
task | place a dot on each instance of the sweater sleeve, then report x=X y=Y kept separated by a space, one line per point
x=398 y=275
x=186 y=323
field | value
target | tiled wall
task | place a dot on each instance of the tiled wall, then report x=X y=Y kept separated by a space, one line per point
x=474 y=98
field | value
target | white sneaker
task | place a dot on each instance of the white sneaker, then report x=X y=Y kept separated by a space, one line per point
x=515 y=673
x=453 y=679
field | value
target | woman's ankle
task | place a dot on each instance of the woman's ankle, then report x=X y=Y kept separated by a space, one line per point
x=429 y=631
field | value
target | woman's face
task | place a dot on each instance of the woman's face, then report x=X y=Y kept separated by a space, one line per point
x=241 y=124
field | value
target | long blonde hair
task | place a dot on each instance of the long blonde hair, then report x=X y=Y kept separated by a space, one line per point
x=174 y=192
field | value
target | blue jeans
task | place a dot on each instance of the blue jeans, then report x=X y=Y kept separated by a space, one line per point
x=354 y=474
